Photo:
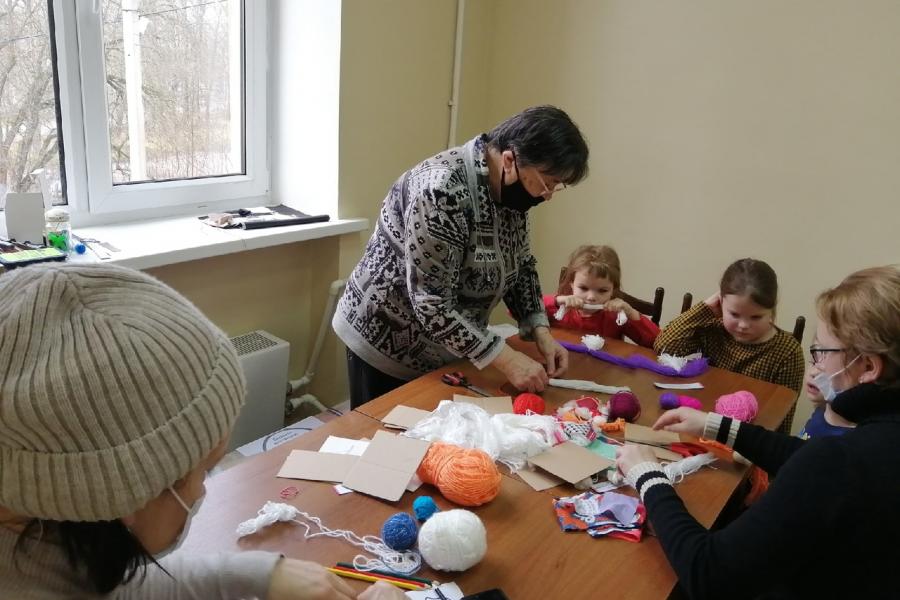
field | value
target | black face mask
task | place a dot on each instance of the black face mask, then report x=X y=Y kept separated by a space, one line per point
x=515 y=196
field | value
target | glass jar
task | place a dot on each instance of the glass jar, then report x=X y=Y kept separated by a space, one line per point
x=58 y=229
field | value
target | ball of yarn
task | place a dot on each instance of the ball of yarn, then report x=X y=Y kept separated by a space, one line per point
x=670 y=400
x=424 y=507
x=399 y=532
x=624 y=405
x=739 y=405
x=466 y=476
x=527 y=401
x=453 y=540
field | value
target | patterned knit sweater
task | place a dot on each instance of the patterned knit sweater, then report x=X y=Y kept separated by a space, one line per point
x=778 y=360
x=442 y=256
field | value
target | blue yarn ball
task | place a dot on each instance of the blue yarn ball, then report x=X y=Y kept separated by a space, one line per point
x=424 y=507
x=400 y=532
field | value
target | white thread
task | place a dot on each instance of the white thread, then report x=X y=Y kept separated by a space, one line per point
x=594 y=342
x=398 y=562
x=675 y=471
x=561 y=311
x=588 y=386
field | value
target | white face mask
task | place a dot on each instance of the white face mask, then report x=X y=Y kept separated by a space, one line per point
x=191 y=511
x=823 y=382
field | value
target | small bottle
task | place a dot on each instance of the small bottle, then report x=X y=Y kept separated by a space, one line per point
x=58 y=229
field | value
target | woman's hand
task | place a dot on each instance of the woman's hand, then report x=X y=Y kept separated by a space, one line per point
x=303 y=580
x=682 y=420
x=617 y=304
x=522 y=372
x=382 y=590
x=556 y=356
x=630 y=455
x=714 y=302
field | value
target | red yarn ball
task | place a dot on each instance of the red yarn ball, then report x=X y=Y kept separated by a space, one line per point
x=527 y=401
x=624 y=405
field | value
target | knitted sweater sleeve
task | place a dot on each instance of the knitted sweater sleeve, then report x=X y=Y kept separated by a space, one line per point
x=238 y=576
x=768 y=450
x=524 y=298
x=758 y=551
x=685 y=333
x=437 y=232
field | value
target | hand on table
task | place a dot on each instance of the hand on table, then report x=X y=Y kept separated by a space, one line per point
x=630 y=455
x=382 y=591
x=295 y=579
x=682 y=420
x=523 y=372
x=556 y=356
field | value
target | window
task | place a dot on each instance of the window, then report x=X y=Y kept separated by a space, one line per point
x=162 y=103
x=30 y=145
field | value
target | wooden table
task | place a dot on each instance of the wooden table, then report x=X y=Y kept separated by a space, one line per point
x=529 y=556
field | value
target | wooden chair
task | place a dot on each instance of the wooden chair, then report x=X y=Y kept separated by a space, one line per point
x=651 y=309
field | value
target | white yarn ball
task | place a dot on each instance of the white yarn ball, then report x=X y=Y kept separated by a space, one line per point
x=453 y=540
x=594 y=342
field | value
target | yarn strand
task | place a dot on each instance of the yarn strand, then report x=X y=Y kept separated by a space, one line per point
x=407 y=562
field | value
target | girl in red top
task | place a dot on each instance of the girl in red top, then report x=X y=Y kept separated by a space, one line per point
x=593 y=277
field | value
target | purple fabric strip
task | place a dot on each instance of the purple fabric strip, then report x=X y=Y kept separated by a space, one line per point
x=693 y=368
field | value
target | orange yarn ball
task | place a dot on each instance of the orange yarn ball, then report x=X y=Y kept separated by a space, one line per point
x=466 y=476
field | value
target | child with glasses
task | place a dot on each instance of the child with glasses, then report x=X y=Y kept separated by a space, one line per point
x=735 y=329
x=823 y=421
x=588 y=292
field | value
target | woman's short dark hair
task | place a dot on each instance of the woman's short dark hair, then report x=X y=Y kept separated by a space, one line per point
x=545 y=137
x=105 y=551
x=753 y=278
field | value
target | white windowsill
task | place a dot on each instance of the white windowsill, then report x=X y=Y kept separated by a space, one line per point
x=159 y=242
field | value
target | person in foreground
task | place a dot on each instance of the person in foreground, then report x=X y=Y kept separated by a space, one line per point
x=827 y=527
x=116 y=397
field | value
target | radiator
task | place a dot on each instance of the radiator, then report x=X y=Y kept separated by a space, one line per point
x=264 y=360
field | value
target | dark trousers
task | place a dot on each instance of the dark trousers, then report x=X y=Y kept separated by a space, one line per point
x=367 y=382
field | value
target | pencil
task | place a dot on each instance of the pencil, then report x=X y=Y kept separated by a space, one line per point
x=347 y=565
x=380 y=576
x=373 y=578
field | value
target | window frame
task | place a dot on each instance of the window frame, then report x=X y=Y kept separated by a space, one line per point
x=82 y=101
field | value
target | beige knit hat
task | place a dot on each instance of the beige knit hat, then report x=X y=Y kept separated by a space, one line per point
x=112 y=387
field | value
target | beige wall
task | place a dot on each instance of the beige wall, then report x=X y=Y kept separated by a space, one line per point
x=718 y=130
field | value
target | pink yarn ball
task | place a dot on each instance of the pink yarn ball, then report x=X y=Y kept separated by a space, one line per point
x=739 y=405
x=624 y=405
x=527 y=401
x=690 y=402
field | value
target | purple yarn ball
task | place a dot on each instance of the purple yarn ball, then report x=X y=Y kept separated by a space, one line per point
x=668 y=401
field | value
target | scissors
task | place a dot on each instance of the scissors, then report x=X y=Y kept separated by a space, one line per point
x=457 y=378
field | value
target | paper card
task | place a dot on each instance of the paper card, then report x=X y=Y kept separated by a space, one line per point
x=339 y=445
x=387 y=466
x=493 y=405
x=539 y=480
x=663 y=454
x=341 y=490
x=647 y=435
x=317 y=466
x=404 y=417
x=571 y=462
x=450 y=591
x=696 y=385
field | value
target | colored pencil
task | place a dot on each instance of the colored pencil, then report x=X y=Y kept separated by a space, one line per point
x=373 y=578
x=347 y=565
x=381 y=576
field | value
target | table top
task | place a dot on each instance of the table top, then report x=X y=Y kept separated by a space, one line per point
x=528 y=556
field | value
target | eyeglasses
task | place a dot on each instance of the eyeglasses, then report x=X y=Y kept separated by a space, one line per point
x=818 y=354
x=547 y=191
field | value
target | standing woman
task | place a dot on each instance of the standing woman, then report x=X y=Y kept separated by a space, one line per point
x=826 y=527
x=452 y=242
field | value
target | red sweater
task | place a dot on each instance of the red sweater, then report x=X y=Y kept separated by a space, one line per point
x=603 y=322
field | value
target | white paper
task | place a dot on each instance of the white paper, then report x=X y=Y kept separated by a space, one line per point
x=450 y=590
x=339 y=445
x=341 y=490
x=279 y=437
x=588 y=386
x=679 y=386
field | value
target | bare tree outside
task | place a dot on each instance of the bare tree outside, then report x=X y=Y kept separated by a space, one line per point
x=173 y=68
x=28 y=135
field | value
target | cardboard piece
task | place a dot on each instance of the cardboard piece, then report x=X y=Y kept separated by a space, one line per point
x=404 y=417
x=571 y=462
x=387 y=466
x=494 y=405
x=539 y=480
x=663 y=454
x=647 y=435
x=317 y=466
x=24 y=214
